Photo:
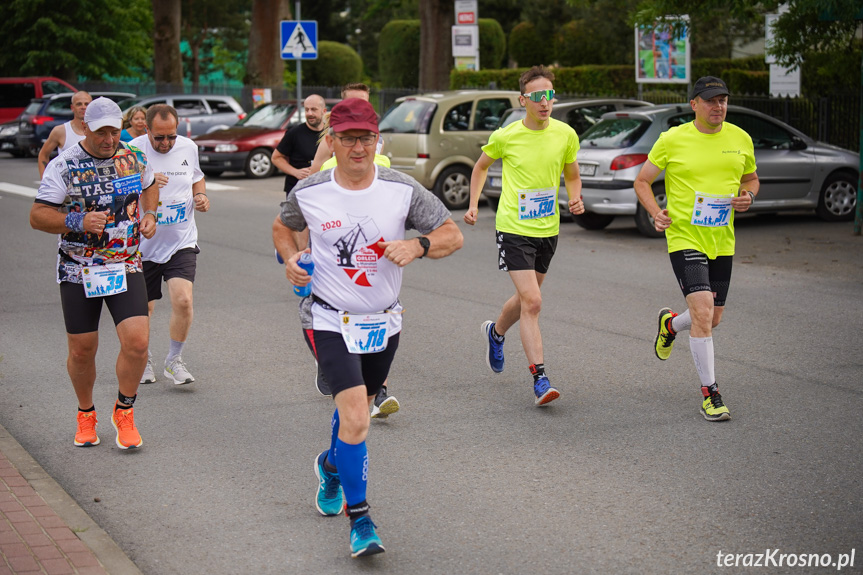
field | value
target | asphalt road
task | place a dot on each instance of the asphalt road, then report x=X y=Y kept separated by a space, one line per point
x=620 y=475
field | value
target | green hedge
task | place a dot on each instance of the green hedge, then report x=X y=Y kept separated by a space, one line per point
x=336 y=65
x=598 y=80
x=492 y=44
x=399 y=54
x=527 y=48
x=742 y=82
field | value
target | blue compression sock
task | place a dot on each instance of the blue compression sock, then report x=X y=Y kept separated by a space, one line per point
x=330 y=462
x=353 y=464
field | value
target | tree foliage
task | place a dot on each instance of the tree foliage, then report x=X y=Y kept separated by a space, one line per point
x=337 y=64
x=212 y=27
x=399 y=54
x=527 y=47
x=73 y=39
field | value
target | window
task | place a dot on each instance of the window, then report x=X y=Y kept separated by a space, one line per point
x=60 y=106
x=765 y=134
x=615 y=133
x=52 y=87
x=457 y=119
x=17 y=95
x=488 y=113
x=270 y=116
x=583 y=118
x=189 y=107
x=221 y=107
x=408 y=117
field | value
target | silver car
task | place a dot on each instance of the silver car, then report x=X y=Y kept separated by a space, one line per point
x=795 y=171
x=580 y=114
x=198 y=113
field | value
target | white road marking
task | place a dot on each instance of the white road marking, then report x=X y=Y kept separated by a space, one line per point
x=18 y=190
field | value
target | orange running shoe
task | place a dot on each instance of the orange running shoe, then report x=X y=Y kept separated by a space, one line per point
x=86 y=434
x=127 y=434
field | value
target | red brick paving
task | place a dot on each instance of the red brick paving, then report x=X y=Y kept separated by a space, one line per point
x=33 y=539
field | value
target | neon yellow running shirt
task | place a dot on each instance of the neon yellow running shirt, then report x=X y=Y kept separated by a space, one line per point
x=532 y=163
x=697 y=167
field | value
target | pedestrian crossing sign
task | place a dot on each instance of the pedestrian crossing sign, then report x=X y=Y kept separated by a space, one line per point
x=299 y=39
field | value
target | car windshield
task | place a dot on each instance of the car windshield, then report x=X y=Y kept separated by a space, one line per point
x=407 y=117
x=126 y=104
x=615 y=133
x=271 y=116
x=33 y=108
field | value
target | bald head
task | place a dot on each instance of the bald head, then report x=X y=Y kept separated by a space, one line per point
x=315 y=107
x=80 y=100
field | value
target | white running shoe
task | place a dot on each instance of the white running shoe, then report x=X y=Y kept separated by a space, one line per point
x=176 y=371
x=149 y=375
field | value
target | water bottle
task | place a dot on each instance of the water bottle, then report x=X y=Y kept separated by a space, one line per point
x=307 y=264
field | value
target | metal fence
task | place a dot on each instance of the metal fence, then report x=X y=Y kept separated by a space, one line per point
x=834 y=119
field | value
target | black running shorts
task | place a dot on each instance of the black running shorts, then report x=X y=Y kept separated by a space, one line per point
x=82 y=313
x=517 y=252
x=181 y=265
x=695 y=272
x=344 y=370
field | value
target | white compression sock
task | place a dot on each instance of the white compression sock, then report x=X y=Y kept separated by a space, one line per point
x=702 y=353
x=681 y=322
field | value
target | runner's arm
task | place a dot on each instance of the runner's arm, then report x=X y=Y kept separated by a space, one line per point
x=51 y=144
x=149 y=202
x=644 y=191
x=477 y=181
x=748 y=183
x=572 y=179
x=322 y=154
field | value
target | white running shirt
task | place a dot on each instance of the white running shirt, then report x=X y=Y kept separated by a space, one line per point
x=72 y=138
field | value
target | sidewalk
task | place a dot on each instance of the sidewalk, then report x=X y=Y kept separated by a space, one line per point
x=42 y=529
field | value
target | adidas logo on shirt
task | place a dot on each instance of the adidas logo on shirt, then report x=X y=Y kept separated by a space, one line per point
x=185 y=163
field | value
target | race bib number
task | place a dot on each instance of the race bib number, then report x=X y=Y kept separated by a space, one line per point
x=534 y=204
x=711 y=211
x=364 y=333
x=172 y=212
x=101 y=281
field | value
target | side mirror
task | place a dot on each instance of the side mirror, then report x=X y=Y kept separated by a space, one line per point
x=797 y=143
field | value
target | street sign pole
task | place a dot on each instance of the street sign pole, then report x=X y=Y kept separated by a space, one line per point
x=299 y=68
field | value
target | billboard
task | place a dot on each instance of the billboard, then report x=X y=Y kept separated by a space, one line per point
x=661 y=53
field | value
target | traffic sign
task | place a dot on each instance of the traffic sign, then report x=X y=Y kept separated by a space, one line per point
x=299 y=39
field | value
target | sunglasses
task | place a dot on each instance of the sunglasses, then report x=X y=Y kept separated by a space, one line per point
x=538 y=95
x=170 y=138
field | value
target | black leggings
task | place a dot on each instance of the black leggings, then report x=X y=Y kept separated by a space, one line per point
x=344 y=370
x=82 y=313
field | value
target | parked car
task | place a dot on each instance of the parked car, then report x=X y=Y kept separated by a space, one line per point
x=437 y=137
x=581 y=114
x=16 y=93
x=199 y=113
x=249 y=144
x=9 y=137
x=42 y=114
x=796 y=172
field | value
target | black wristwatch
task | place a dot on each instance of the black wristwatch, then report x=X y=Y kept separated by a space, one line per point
x=426 y=244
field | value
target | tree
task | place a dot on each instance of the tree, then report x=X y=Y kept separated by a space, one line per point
x=266 y=67
x=166 y=43
x=208 y=25
x=436 y=20
x=75 y=39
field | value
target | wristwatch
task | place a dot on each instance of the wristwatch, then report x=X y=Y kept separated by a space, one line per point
x=426 y=244
x=751 y=195
x=155 y=215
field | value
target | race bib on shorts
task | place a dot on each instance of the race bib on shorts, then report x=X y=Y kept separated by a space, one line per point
x=101 y=281
x=711 y=211
x=364 y=333
x=533 y=204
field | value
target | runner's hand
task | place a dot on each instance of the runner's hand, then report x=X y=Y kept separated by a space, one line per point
x=742 y=202
x=202 y=202
x=661 y=221
x=471 y=215
x=161 y=179
x=148 y=226
x=576 y=206
x=94 y=222
x=401 y=252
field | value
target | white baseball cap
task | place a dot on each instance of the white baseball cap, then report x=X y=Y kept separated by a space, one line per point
x=103 y=112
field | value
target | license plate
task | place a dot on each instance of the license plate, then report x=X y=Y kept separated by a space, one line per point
x=205 y=158
x=496 y=182
x=587 y=169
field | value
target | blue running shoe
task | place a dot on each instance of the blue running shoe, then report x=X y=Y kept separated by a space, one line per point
x=330 y=500
x=493 y=349
x=544 y=391
x=364 y=540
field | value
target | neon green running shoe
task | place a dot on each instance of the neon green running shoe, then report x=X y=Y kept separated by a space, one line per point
x=713 y=408
x=664 y=334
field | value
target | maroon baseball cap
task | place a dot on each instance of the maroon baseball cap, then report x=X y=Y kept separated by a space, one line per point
x=353 y=114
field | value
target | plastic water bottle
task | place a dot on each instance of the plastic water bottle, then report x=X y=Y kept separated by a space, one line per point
x=307 y=264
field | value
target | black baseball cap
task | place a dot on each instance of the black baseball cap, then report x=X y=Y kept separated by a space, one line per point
x=709 y=87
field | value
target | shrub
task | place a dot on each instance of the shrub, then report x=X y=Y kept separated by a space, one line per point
x=336 y=65
x=527 y=48
x=492 y=44
x=399 y=54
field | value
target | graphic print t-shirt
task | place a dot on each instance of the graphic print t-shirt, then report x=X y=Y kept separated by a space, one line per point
x=112 y=185
x=345 y=227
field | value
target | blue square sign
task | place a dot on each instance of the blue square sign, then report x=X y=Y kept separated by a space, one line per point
x=299 y=39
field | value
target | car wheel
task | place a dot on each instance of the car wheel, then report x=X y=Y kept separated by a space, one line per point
x=259 y=164
x=493 y=203
x=643 y=221
x=453 y=187
x=592 y=221
x=838 y=198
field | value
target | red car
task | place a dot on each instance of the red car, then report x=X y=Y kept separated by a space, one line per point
x=248 y=145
